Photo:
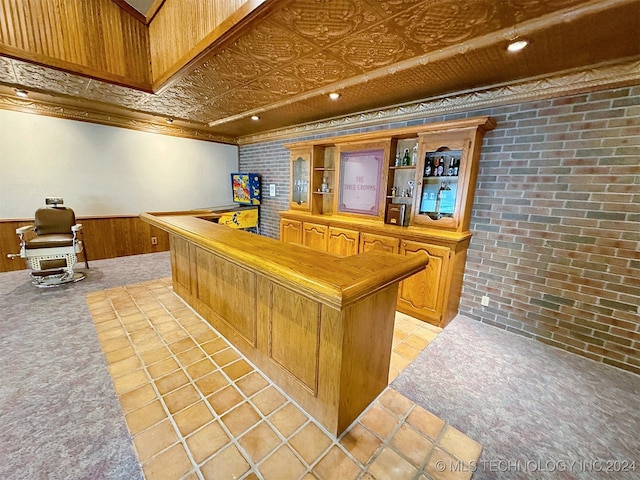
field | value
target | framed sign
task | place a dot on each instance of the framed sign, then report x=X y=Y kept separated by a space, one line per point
x=360 y=181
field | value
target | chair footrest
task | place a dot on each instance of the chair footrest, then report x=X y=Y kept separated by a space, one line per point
x=46 y=273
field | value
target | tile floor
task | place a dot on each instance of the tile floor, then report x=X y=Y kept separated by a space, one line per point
x=198 y=410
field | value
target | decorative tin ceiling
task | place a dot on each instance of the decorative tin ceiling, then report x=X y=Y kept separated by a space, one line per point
x=375 y=53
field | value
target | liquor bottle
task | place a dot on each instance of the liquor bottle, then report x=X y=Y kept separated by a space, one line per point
x=414 y=155
x=428 y=167
x=440 y=166
x=450 y=167
x=406 y=158
x=456 y=167
x=398 y=158
x=436 y=163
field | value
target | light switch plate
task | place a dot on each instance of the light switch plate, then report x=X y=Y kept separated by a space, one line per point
x=272 y=189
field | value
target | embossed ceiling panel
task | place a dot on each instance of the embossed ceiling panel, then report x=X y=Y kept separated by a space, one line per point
x=435 y=25
x=116 y=94
x=374 y=52
x=465 y=71
x=272 y=44
x=37 y=77
x=6 y=71
x=324 y=22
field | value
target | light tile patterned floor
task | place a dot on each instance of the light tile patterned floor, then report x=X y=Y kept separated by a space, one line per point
x=198 y=410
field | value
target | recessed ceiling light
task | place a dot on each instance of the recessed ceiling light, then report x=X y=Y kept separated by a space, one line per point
x=255 y=118
x=22 y=93
x=169 y=121
x=517 y=45
x=334 y=95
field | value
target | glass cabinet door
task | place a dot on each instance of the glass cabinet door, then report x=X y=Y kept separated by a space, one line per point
x=300 y=181
x=438 y=197
x=440 y=183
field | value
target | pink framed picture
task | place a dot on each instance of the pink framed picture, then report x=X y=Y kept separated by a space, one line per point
x=360 y=181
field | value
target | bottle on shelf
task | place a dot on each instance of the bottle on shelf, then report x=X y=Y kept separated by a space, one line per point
x=398 y=161
x=440 y=166
x=394 y=191
x=414 y=155
x=450 y=167
x=428 y=165
x=443 y=187
x=456 y=167
x=436 y=165
x=324 y=187
x=406 y=158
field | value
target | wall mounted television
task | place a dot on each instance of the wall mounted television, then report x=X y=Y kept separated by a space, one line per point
x=246 y=188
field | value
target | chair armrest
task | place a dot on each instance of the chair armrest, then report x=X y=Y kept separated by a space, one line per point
x=77 y=227
x=25 y=229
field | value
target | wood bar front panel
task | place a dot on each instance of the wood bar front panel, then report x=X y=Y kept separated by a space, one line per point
x=293 y=340
x=230 y=291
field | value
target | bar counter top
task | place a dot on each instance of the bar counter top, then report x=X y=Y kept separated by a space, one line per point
x=334 y=280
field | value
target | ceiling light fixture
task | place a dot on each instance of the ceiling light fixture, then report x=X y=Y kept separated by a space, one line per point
x=169 y=121
x=255 y=118
x=22 y=93
x=334 y=95
x=517 y=45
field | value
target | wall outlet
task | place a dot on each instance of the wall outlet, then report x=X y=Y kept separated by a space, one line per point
x=272 y=190
x=484 y=301
x=154 y=240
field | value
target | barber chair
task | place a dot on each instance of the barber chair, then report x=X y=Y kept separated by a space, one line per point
x=53 y=251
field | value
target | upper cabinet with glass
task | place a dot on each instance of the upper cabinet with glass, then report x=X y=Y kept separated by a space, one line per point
x=422 y=176
x=445 y=178
x=300 y=168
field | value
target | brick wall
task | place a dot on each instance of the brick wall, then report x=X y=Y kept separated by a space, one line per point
x=556 y=221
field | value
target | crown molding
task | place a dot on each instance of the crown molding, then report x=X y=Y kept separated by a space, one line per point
x=566 y=83
x=113 y=119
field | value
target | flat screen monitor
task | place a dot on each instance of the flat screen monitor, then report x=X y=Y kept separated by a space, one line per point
x=246 y=188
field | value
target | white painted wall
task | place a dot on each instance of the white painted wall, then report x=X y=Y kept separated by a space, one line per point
x=101 y=170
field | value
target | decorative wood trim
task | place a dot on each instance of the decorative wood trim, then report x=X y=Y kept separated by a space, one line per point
x=116 y=118
x=570 y=82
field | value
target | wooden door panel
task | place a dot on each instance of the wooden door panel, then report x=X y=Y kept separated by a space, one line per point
x=315 y=236
x=291 y=231
x=423 y=292
x=343 y=242
x=371 y=241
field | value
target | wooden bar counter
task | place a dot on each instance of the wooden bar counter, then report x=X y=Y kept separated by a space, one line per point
x=319 y=325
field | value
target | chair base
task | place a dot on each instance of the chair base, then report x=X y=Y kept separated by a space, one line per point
x=55 y=279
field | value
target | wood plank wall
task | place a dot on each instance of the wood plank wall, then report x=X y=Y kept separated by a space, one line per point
x=96 y=38
x=105 y=237
x=182 y=29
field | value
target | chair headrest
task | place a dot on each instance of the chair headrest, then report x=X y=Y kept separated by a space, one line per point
x=54 y=220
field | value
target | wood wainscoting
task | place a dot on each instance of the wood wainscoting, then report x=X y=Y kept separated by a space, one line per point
x=104 y=237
